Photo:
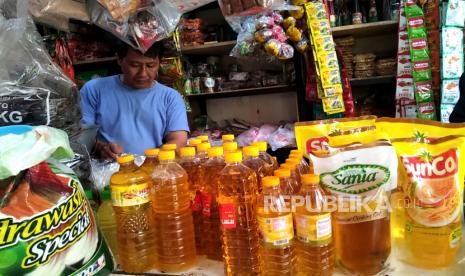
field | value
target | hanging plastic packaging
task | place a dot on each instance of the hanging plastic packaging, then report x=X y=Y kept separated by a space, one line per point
x=140 y=28
x=33 y=89
x=51 y=224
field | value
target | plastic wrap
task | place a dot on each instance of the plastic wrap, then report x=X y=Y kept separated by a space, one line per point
x=284 y=136
x=56 y=13
x=35 y=191
x=33 y=89
x=143 y=27
x=245 y=7
x=101 y=172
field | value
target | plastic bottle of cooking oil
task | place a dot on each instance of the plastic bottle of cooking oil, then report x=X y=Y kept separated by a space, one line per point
x=151 y=160
x=134 y=218
x=274 y=217
x=253 y=161
x=292 y=167
x=194 y=142
x=288 y=185
x=300 y=168
x=237 y=199
x=229 y=147
x=227 y=138
x=107 y=221
x=202 y=151
x=270 y=160
x=303 y=163
x=314 y=246
x=211 y=214
x=191 y=164
x=203 y=138
x=173 y=215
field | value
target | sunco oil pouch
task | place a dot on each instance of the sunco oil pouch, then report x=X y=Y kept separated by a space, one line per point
x=46 y=223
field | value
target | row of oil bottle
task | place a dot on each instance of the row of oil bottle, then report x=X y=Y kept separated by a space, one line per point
x=223 y=203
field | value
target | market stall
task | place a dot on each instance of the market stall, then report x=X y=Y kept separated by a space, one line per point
x=319 y=140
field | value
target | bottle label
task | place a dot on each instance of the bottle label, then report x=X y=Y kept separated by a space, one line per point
x=227 y=216
x=197 y=202
x=277 y=230
x=206 y=204
x=130 y=195
x=313 y=228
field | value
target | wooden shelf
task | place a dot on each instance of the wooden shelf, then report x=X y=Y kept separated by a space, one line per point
x=97 y=60
x=366 y=29
x=214 y=48
x=244 y=92
x=373 y=80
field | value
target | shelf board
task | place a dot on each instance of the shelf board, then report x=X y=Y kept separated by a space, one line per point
x=214 y=48
x=97 y=60
x=366 y=29
x=244 y=92
x=373 y=80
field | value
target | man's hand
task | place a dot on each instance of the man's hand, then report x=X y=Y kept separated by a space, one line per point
x=107 y=150
x=176 y=137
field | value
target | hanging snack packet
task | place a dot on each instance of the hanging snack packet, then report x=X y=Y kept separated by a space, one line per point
x=450 y=92
x=452 y=65
x=455 y=15
x=362 y=168
x=334 y=104
x=452 y=39
x=431 y=179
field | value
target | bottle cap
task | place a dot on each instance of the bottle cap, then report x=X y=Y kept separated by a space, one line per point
x=230 y=146
x=166 y=155
x=270 y=181
x=106 y=193
x=233 y=157
x=151 y=152
x=215 y=152
x=203 y=138
x=250 y=151
x=187 y=151
x=281 y=173
x=262 y=145
x=194 y=142
x=296 y=155
x=297 y=151
x=169 y=147
x=309 y=179
x=227 y=137
x=293 y=160
x=289 y=166
x=125 y=158
x=203 y=147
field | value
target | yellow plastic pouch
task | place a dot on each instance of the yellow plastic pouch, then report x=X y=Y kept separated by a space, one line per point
x=313 y=136
x=427 y=215
x=333 y=104
x=418 y=128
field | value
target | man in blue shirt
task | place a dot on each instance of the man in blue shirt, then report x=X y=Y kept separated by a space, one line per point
x=132 y=111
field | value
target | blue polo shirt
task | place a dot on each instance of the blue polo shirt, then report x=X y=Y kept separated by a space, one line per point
x=137 y=119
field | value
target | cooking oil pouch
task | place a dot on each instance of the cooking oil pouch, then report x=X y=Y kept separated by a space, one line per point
x=428 y=213
x=313 y=136
x=418 y=129
x=43 y=208
x=359 y=174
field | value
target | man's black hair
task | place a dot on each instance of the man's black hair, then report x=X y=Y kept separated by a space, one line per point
x=155 y=51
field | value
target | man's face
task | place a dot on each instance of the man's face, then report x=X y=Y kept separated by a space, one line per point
x=139 y=71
